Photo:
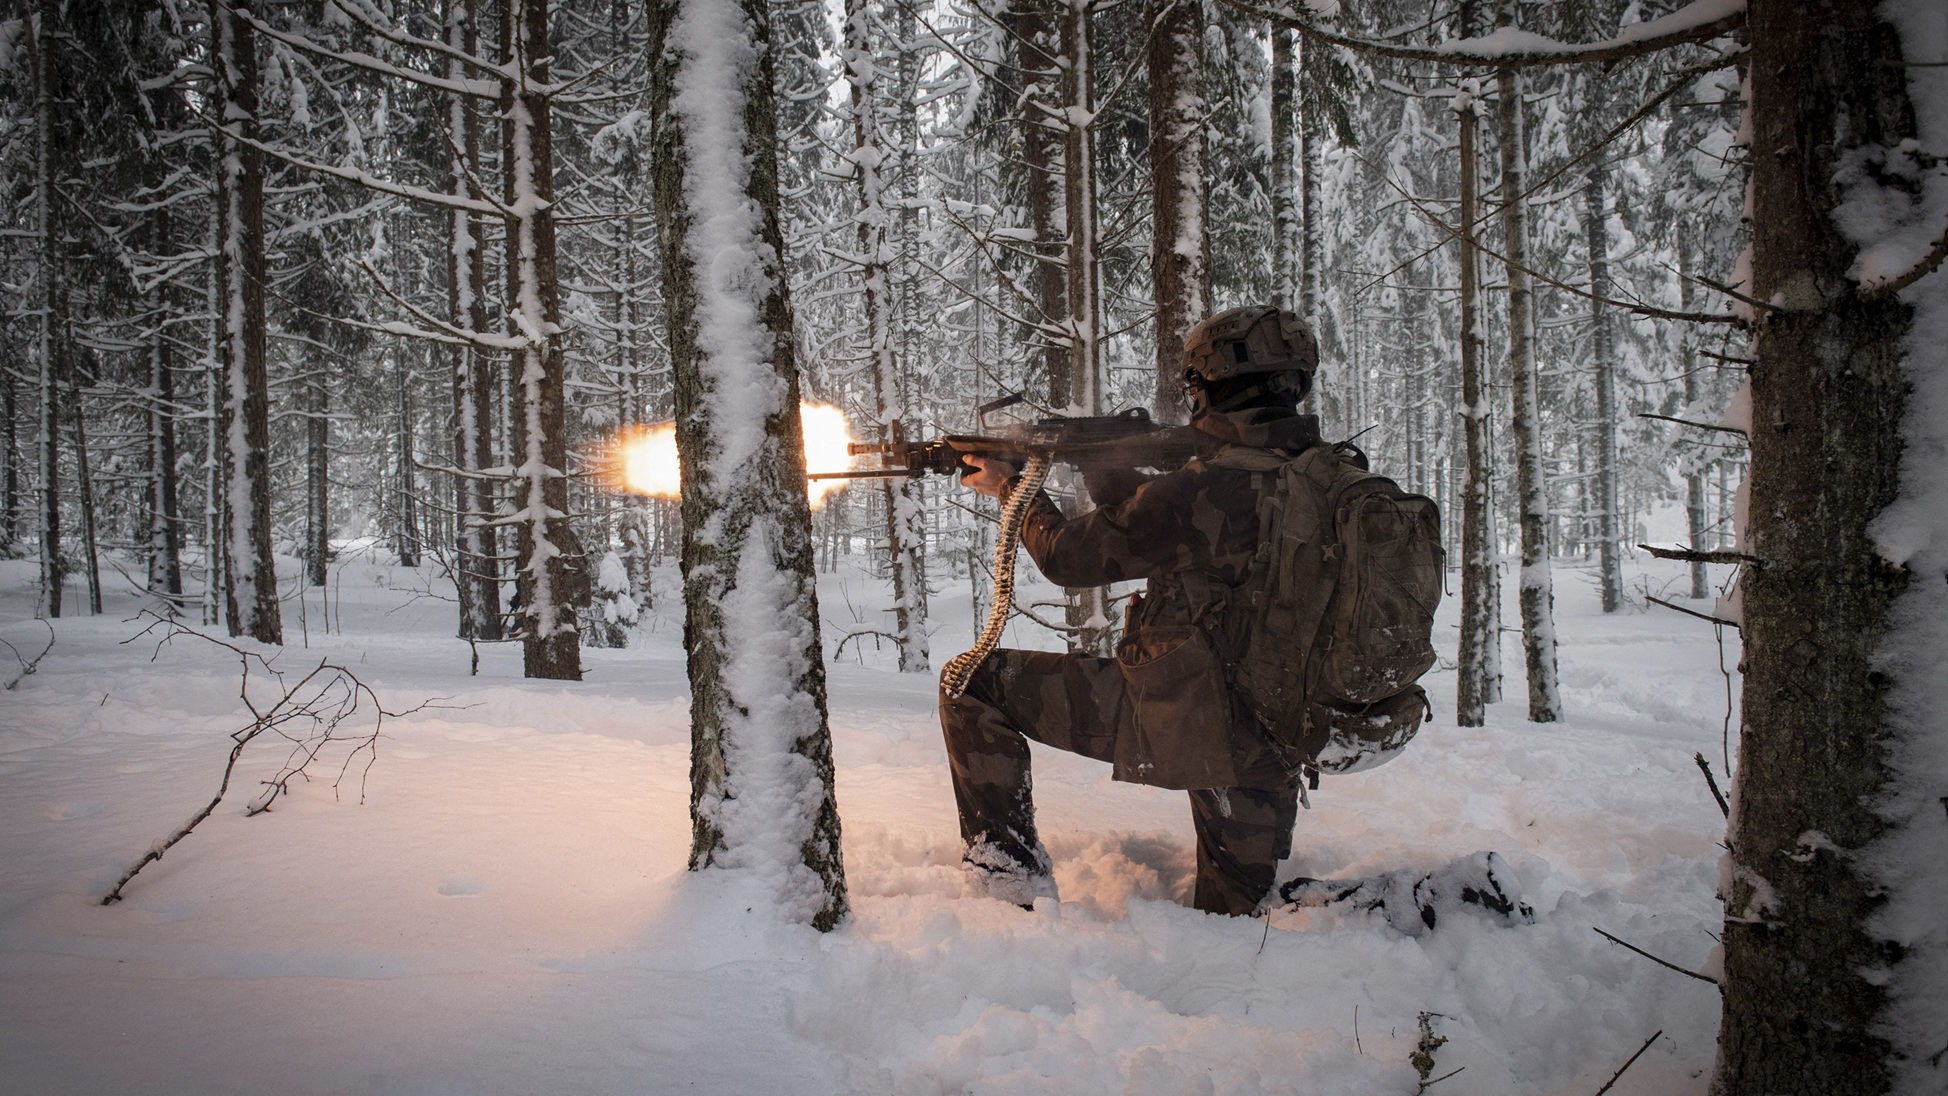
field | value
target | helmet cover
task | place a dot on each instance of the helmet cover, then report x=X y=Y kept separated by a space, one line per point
x=1246 y=341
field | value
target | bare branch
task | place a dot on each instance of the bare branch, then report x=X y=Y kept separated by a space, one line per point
x=1654 y=959
x=28 y=665
x=1692 y=555
x=1633 y=1061
x=1691 y=612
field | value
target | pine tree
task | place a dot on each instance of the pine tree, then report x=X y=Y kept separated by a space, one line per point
x=761 y=752
x=1818 y=997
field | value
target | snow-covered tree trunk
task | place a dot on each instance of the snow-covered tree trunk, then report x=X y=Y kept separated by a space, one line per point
x=553 y=576
x=761 y=748
x=1836 y=957
x=1286 y=228
x=904 y=535
x=474 y=565
x=1531 y=492
x=1088 y=607
x=1180 y=242
x=1603 y=351
x=51 y=308
x=1478 y=619
x=1043 y=131
x=249 y=571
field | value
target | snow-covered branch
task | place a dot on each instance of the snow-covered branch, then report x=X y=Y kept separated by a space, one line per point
x=1699 y=21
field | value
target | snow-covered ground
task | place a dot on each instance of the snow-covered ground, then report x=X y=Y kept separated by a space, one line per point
x=508 y=911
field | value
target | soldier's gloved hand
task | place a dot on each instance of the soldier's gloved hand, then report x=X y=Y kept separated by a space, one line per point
x=988 y=475
x=1109 y=486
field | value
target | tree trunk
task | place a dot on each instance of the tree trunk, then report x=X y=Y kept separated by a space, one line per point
x=1696 y=467
x=869 y=153
x=1180 y=242
x=474 y=564
x=1811 y=982
x=761 y=747
x=1478 y=618
x=317 y=476
x=1286 y=207
x=50 y=324
x=1531 y=492
x=1604 y=351
x=553 y=578
x=405 y=485
x=162 y=519
x=1042 y=136
x=1088 y=608
x=250 y=571
x=84 y=489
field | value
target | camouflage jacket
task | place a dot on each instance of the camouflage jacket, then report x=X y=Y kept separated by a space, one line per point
x=1191 y=533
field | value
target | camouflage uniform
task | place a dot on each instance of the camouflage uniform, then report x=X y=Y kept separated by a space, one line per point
x=1161 y=711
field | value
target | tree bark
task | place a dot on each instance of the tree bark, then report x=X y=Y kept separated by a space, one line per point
x=761 y=750
x=250 y=571
x=1604 y=353
x=1042 y=133
x=1805 y=988
x=1286 y=206
x=1478 y=633
x=553 y=576
x=1532 y=498
x=49 y=325
x=1180 y=241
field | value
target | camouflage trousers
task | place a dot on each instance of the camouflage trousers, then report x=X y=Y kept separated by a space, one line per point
x=1079 y=703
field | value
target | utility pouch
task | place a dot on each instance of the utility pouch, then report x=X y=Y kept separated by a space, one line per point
x=1177 y=727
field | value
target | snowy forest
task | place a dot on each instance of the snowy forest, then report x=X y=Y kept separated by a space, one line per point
x=369 y=335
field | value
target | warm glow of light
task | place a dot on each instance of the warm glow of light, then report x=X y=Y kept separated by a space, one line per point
x=826 y=438
x=646 y=461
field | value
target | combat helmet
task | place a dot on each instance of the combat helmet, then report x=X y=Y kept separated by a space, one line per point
x=1248 y=341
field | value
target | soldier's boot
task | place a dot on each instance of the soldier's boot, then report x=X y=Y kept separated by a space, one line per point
x=1242 y=834
x=987 y=759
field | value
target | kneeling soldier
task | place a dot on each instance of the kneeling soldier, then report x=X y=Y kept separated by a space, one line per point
x=1163 y=711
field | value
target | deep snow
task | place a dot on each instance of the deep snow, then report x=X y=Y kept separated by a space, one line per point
x=508 y=912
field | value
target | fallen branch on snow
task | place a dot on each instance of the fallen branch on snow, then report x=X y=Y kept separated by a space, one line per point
x=308 y=714
x=29 y=665
x=1631 y=1062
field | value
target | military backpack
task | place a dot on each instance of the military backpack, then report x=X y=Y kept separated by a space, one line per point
x=1334 y=622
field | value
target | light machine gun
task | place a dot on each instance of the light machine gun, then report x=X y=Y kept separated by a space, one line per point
x=1093 y=443
x=1126 y=441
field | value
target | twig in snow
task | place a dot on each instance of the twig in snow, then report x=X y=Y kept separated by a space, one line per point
x=1627 y=1065
x=1653 y=958
x=1712 y=781
x=306 y=714
x=29 y=665
x=1425 y=1085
